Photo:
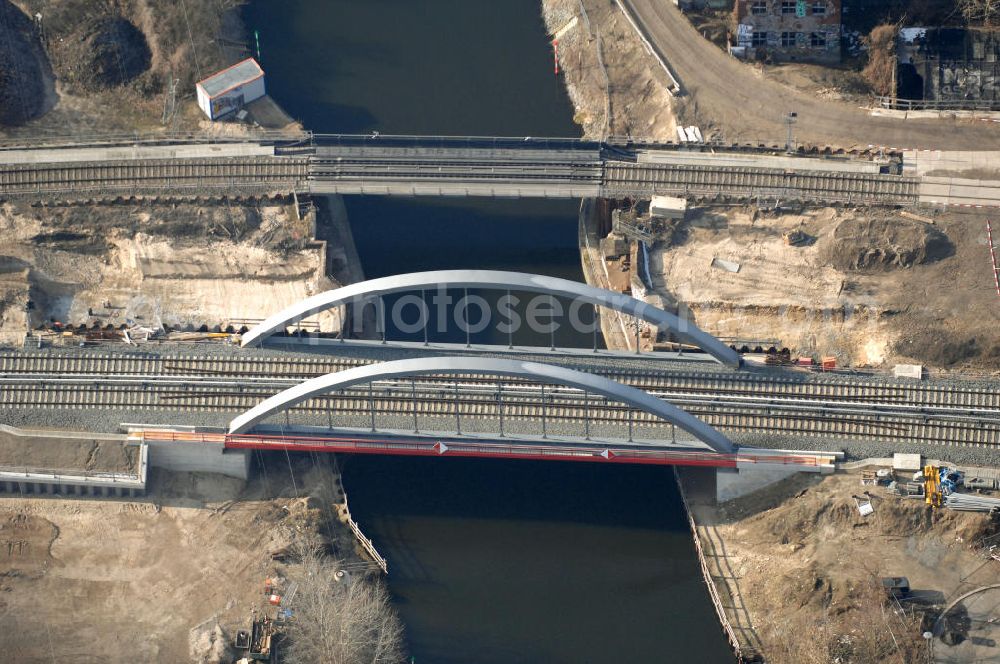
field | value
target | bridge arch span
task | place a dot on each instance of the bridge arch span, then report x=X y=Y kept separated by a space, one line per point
x=493 y=279
x=471 y=365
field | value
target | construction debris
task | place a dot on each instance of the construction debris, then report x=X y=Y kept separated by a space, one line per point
x=728 y=266
x=906 y=214
x=796 y=238
x=864 y=506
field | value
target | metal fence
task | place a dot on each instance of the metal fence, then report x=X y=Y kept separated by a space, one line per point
x=713 y=590
x=897 y=104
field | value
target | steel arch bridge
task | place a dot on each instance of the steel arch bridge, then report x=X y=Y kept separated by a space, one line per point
x=465 y=365
x=682 y=329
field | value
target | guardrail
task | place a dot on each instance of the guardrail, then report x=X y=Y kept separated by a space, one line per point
x=675 y=87
x=404 y=141
x=897 y=104
x=365 y=543
x=363 y=540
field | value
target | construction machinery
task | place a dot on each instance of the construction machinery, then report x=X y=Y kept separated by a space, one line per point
x=258 y=644
x=932 y=486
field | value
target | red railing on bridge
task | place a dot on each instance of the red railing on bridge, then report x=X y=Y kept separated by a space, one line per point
x=402 y=446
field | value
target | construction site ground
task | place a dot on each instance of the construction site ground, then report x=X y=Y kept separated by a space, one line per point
x=869 y=287
x=800 y=569
x=168 y=578
x=145 y=266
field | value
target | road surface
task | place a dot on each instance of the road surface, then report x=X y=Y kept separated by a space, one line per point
x=723 y=91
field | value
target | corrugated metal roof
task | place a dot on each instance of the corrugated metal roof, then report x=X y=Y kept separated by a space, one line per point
x=238 y=74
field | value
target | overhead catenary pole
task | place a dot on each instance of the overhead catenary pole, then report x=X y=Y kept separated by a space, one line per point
x=993 y=256
x=500 y=404
x=458 y=417
x=413 y=398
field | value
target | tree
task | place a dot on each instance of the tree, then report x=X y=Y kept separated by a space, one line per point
x=980 y=11
x=347 y=621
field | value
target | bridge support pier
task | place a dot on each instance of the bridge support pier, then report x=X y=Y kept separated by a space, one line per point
x=197 y=456
x=731 y=483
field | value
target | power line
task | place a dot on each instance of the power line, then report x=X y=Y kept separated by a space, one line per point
x=194 y=49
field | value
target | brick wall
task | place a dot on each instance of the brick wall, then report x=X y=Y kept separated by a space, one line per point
x=789 y=30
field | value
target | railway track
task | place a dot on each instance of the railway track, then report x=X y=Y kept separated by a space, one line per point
x=528 y=407
x=381 y=166
x=733 y=402
x=155 y=176
x=789 y=384
x=639 y=179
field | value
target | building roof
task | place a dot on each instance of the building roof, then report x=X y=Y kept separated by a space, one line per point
x=227 y=79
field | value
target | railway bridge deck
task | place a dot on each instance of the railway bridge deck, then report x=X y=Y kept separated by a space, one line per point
x=750 y=405
x=438 y=166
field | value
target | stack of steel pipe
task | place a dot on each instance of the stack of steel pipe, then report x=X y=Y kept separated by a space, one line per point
x=968 y=502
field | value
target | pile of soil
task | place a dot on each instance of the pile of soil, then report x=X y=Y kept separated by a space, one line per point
x=884 y=244
x=25 y=72
x=944 y=348
x=104 y=53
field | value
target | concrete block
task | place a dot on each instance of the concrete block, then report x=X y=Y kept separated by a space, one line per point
x=199 y=457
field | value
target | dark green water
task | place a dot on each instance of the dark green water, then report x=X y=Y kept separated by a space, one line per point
x=489 y=561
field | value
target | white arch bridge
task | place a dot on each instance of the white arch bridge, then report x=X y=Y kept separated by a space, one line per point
x=680 y=328
x=508 y=397
x=258 y=428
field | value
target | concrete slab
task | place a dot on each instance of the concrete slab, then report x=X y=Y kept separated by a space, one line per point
x=924 y=162
x=959 y=191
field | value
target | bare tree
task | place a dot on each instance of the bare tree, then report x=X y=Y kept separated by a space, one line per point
x=346 y=621
x=980 y=11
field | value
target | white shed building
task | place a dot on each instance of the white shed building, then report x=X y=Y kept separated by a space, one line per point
x=231 y=89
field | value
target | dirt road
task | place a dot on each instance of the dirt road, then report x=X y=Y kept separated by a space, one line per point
x=734 y=97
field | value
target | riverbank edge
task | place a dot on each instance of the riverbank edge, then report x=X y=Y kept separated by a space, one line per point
x=613 y=328
x=717 y=586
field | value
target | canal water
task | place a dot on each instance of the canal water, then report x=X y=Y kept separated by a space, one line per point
x=489 y=561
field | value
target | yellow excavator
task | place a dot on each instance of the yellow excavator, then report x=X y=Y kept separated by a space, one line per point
x=932 y=486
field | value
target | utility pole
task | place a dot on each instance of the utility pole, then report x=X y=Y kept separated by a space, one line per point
x=790 y=119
